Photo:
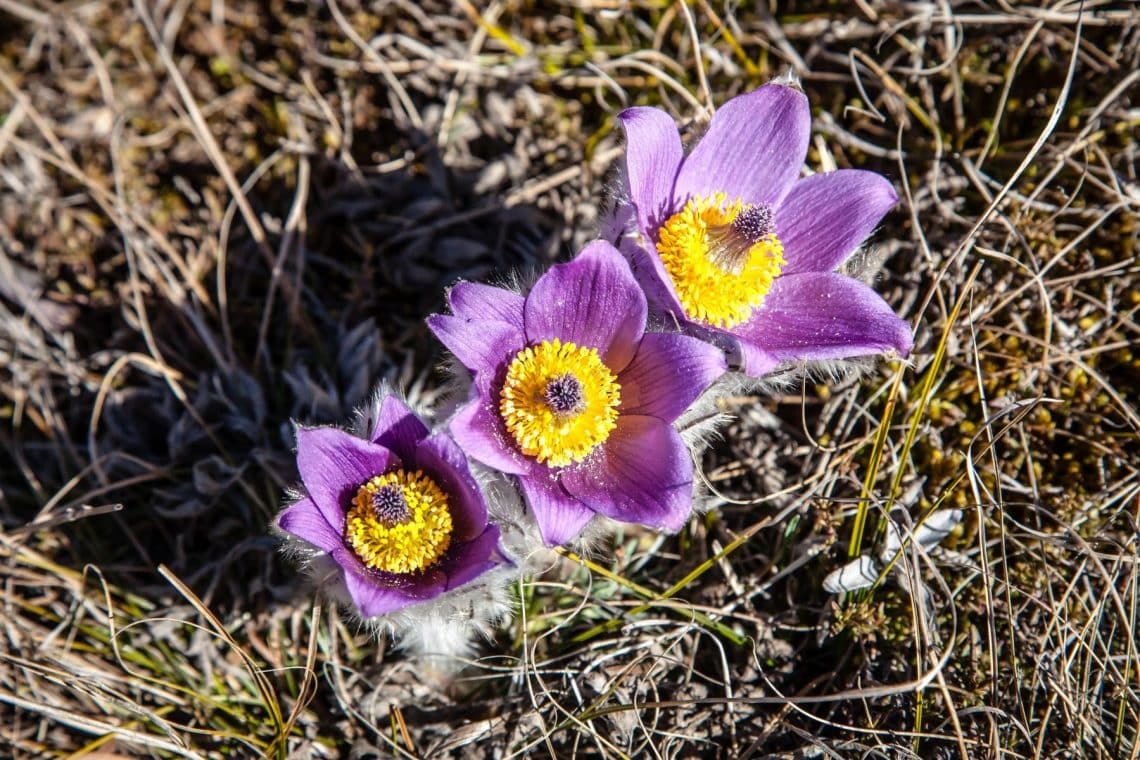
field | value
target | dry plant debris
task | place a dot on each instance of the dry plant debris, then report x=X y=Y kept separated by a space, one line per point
x=221 y=216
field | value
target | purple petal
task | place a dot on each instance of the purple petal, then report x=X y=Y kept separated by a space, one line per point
x=305 y=521
x=618 y=221
x=442 y=460
x=398 y=428
x=560 y=516
x=668 y=374
x=655 y=282
x=476 y=301
x=642 y=474
x=334 y=464
x=592 y=301
x=824 y=315
x=379 y=593
x=825 y=217
x=652 y=157
x=755 y=361
x=371 y=599
x=753 y=149
x=479 y=431
x=480 y=345
x=468 y=561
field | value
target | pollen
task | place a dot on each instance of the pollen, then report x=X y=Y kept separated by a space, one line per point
x=559 y=402
x=722 y=258
x=399 y=522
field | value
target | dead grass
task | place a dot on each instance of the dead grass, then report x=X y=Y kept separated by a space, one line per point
x=219 y=216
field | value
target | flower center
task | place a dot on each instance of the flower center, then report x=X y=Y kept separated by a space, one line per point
x=390 y=506
x=563 y=394
x=722 y=258
x=399 y=522
x=559 y=402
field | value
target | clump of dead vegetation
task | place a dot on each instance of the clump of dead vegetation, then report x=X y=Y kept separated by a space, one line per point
x=218 y=217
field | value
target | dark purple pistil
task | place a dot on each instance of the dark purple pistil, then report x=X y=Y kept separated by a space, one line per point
x=563 y=395
x=390 y=506
x=730 y=244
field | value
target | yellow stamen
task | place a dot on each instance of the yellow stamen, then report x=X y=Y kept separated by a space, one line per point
x=714 y=284
x=559 y=402
x=406 y=538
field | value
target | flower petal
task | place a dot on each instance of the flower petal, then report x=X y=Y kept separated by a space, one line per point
x=668 y=373
x=652 y=156
x=371 y=599
x=825 y=217
x=377 y=594
x=303 y=520
x=471 y=559
x=476 y=301
x=443 y=461
x=480 y=345
x=753 y=149
x=592 y=301
x=333 y=464
x=824 y=315
x=650 y=274
x=397 y=428
x=642 y=474
x=755 y=361
x=560 y=516
x=614 y=224
x=479 y=431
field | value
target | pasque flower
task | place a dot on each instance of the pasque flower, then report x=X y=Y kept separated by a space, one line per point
x=399 y=513
x=728 y=241
x=572 y=395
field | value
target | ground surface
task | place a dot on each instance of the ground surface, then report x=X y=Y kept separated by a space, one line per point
x=221 y=216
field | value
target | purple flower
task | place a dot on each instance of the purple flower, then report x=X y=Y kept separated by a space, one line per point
x=729 y=241
x=400 y=513
x=572 y=396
